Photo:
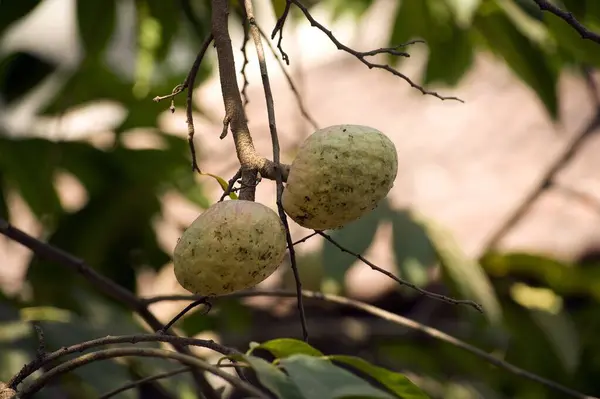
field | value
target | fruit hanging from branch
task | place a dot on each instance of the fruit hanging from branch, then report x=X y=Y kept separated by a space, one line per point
x=233 y=245
x=340 y=174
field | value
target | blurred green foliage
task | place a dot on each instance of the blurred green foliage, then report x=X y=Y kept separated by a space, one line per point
x=554 y=335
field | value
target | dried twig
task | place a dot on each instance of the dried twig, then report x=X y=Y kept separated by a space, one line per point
x=401 y=321
x=243 y=50
x=105 y=285
x=104 y=354
x=201 y=301
x=568 y=17
x=400 y=281
x=264 y=73
x=362 y=55
x=279 y=29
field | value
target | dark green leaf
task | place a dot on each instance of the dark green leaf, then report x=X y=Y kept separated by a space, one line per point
x=167 y=13
x=413 y=20
x=20 y=72
x=29 y=166
x=395 y=382
x=3 y=205
x=413 y=249
x=449 y=58
x=273 y=378
x=319 y=378
x=528 y=61
x=562 y=335
x=96 y=22
x=357 y=237
x=284 y=347
x=13 y=10
x=584 y=51
x=464 y=273
x=278 y=7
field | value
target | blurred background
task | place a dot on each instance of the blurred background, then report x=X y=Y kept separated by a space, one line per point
x=496 y=200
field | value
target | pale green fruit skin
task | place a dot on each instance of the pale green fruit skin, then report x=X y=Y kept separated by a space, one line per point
x=339 y=175
x=232 y=246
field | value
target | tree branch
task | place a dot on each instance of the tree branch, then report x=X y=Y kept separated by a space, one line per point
x=140 y=352
x=105 y=285
x=264 y=73
x=568 y=17
x=400 y=281
x=249 y=159
x=362 y=55
x=398 y=320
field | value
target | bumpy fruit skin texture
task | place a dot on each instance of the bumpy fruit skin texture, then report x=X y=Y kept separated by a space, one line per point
x=339 y=174
x=233 y=245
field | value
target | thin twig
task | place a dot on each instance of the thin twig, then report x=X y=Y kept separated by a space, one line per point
x=362 y=56
x=297 y=95
x=105 y=285
x=264 y=73
x=279 y=28
x=305 y=238
x=399 y=320
x=104 y=354
x=189 y=106
x=568 y=17
x=41 y=349
x=141 y=381
x=244 y=54
x=201 y=301
x=230 y=185
x=400 y=281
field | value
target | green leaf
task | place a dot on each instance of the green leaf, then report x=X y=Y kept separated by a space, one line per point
x=96 y=21
x=413 y=249
x=3 y=205
x=356 y=8
x=464 y=273
x=562 y=335
x=449 y=57
x=278 y=7
x=285 y=347
x=464 y=11
x=395 y=382
x=20 y=72
x=583 y=51
x=528 y=62
x=357 y=237
x=167 y=14
x=29 y=166
x=319 y=378
x=14 y=11
x=412 y=20
x=273 y=378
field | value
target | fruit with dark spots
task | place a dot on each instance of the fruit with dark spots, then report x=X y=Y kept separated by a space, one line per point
x=340 y=174
x=214 y=257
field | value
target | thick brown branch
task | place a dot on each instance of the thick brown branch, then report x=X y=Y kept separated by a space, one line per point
x=234 y=110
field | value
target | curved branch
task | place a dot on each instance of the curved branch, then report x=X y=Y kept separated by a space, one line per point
x=399 y=320
x=140 y=352
x=122 y=339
